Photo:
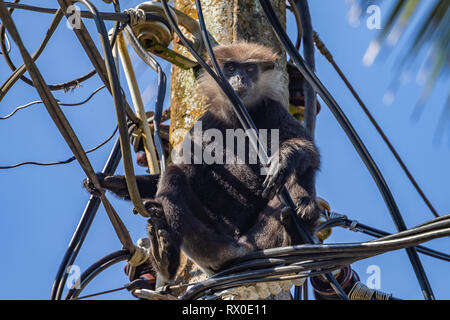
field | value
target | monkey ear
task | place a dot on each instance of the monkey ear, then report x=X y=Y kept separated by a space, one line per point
x=267 y=65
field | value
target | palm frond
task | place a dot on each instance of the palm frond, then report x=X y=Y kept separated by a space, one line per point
x=427 y=25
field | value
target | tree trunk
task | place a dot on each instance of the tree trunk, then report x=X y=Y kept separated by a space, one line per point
x=227 y=21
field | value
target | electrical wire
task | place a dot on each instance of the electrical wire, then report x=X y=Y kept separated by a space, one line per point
x=277 y=261
x=8 y=44
x=18 y=72
x=354 y=138
x=162 y=84
x=309 y=118
x=82 y=228
x=298 y=23
x=61 y=121
x=100 y=293
x=69 y=160
x=327 y=54
x=60 y=103
x=95 y=269
x=359 y=227
x=110 y=16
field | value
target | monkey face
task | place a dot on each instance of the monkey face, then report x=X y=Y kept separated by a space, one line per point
x=242 y=77
x=250 y=70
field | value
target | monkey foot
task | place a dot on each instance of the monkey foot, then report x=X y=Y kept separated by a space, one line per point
x=308 y=210
x=164 y=251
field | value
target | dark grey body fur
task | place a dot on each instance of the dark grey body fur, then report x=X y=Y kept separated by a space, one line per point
x=216 y=213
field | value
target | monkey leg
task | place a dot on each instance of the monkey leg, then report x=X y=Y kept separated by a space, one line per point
x=275 y=228
x=147 y=185
x=269 y=230
x=191 y=225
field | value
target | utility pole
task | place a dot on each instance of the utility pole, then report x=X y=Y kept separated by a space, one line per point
x=228 y=21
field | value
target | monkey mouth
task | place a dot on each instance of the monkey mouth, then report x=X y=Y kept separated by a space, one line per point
x=240 y=90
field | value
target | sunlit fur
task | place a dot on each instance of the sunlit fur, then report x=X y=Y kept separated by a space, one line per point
x=267 y=86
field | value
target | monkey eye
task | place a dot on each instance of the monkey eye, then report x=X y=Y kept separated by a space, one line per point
x=251 y=67
x=229 y=66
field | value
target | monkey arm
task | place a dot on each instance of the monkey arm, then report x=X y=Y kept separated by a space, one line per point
x=147 y=185
x=294 y=155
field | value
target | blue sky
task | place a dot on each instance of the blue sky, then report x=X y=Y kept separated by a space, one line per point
x=41 y=206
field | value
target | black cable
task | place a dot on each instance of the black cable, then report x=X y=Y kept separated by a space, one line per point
x=121 y=115
x=69 y=160
x=406 y=238
x=312 y=257
x=110 y=16
x=354 y=138
x=95 y=269
x=359 y=227
x=308 y=52
x=61 y=104
x=83 y=227
x=260 y=275
x=330 y=224
x=8 y=44
x=380 y=233
x=18 y=72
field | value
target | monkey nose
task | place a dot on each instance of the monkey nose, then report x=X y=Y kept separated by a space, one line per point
x=239 y=86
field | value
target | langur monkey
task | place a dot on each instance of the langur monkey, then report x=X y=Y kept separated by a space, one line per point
x=217 y=212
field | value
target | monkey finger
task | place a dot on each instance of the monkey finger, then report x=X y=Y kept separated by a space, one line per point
x=270 y=175
x=163 y=236
x=278 y=181
x=89 y=186
x=271 y=186
x=266 y=181
x=153 y=241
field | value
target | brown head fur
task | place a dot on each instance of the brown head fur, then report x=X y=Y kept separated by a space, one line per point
x=269 y=81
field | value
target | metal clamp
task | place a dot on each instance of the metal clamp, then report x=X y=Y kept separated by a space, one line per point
x=156 y=36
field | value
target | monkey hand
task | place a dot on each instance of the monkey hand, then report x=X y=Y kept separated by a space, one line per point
x=165 y=254
x=115 y=184
x=279 y=171
x=90 y=187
